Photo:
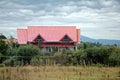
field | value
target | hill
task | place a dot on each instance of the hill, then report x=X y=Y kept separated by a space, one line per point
x=102 y=41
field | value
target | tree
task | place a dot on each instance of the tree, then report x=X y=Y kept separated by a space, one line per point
x=64 y=57
x=3 y=47
x=2 y=36
x=115 y=57
x=78 y=57
x=60 y=58
x=85 y=45
x=25 y=53
x=1 y=56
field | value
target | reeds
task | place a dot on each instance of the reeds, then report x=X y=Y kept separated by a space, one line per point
x=59 y=73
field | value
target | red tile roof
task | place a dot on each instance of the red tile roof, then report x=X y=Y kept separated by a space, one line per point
x=49 y=33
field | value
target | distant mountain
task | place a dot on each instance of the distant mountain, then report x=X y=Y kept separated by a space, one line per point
x=87 y=39
x=102 y=41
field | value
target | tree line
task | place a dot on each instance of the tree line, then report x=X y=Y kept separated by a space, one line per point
x=88 y=54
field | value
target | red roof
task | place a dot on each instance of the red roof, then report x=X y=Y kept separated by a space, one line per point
x=48 y=33
x=22 y=36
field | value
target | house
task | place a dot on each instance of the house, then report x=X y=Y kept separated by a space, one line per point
x=48 y=37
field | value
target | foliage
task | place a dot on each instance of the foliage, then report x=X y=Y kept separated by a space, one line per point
x=78 y=57
x=25 y=53
x=1 y=57
x=64 y=57
x=2 y=36
x=59 y=58
x=97 y=55
x=115 y=57
x=11 y=51
x=3 y=47
x=85 y=45
x=87 y=54
x=35 y=61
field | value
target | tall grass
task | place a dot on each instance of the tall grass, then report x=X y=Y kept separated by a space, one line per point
x=59 y=73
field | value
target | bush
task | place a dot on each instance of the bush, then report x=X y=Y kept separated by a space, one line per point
x=79 y=57
x=36 y=60
x=114 y=57
x=61 y=59
x=3 y=47
x=25 y=53
x=11 y=51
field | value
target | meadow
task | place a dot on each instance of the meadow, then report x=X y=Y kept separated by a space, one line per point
x=59 y=73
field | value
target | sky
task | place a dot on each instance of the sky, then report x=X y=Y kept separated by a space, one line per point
x=98 y=19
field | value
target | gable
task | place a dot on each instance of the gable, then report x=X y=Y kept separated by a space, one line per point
x=38 y=38
x=66 y=38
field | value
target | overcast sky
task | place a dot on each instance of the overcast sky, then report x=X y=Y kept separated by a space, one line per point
x=99 y=19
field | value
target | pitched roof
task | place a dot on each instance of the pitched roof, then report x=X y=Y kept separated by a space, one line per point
x=22 y=36
x=49 y=33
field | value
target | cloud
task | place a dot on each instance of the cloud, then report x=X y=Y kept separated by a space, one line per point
x=95 y=18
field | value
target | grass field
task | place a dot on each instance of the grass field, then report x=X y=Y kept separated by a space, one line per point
x=59 y=73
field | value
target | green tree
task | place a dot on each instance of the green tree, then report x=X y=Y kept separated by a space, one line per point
x=3 y=47
x=64 y=57
x=85 y=45
x=60 y=58
x=79 y=57
x=1 y=56
x=115 y=56
x=25 y=53
x=2 y=36
x=98 y=55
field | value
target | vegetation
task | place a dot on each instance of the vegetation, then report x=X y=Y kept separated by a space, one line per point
x=12 y=54
x=59 y=73
x=92 y=61
x=2 y=36
x=25 y=53
x=3 y=47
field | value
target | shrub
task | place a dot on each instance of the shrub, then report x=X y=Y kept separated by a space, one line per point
x=114 y=57
x=79 y=57
x=25 y=53
x=3 y=47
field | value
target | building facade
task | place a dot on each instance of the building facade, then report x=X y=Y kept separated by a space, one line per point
x=49 y=37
